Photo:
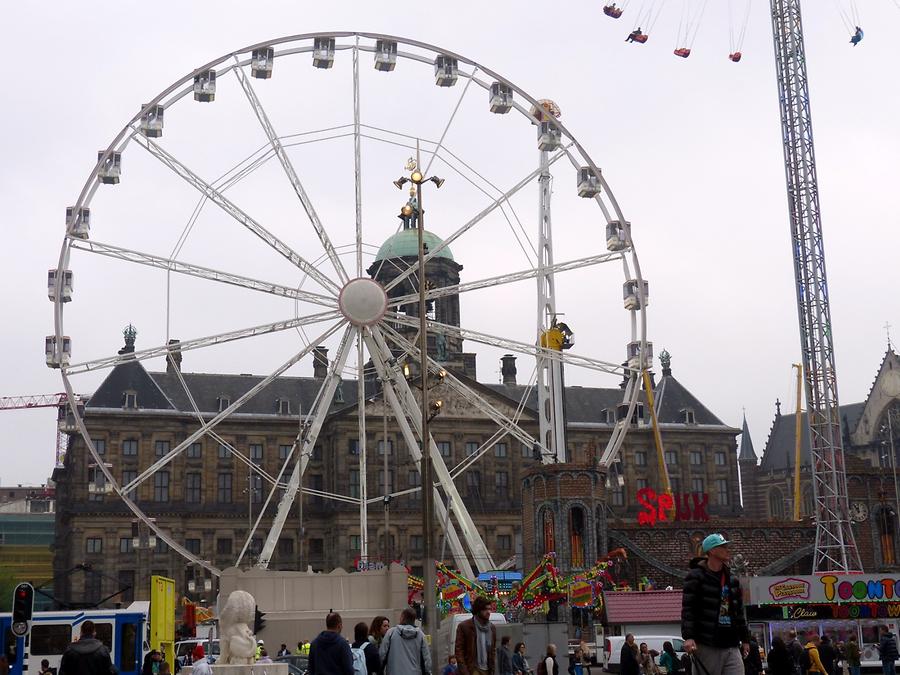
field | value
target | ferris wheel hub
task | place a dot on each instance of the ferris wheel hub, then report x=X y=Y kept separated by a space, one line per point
x=363 y=301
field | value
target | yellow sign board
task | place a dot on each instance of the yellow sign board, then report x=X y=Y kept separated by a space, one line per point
x=162 y=616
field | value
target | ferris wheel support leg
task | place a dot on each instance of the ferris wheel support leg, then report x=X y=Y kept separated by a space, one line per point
x=549 y=378
x=389 y=377
x=361 y=419
x=318 y=415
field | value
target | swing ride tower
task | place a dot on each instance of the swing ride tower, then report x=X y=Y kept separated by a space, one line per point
x=835 y=547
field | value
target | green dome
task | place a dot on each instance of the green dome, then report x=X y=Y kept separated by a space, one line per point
x=406 y=244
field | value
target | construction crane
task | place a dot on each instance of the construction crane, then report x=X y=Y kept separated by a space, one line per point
x=58 y=401
x=835 y=546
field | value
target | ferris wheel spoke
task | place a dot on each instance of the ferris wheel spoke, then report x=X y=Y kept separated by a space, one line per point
x=289 y=170
x=357 y=170
x=410 y=410
x=403 y=415
x=510 y=278
x=313 y=425
x=512 y=345
x=182 y=267
x=220 y=200
x=432 y=252
x=508 y=425
x=197 y=343
x=240 y=401
x=459 y=101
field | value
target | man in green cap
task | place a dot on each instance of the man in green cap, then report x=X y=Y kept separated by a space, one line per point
x=712 y=612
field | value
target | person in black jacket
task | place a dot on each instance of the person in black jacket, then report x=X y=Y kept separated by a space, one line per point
x=779 y=659
x=330 y=653
x=87 y=656
x=628 y=657
x=712 y=611
x=828 y=655
x=370 y=651
x=887 y=647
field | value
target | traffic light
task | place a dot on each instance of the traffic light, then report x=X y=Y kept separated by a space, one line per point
x=23 y=606
x=258 y=622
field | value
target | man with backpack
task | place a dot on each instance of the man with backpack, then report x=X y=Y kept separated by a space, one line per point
x=795 y=649
x=330 y=653
x=403 y=650
x=809 y=659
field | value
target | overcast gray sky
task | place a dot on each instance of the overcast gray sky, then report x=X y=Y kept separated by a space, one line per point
x=691 y=148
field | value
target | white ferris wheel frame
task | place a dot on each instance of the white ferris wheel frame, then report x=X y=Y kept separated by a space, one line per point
x=375 y=338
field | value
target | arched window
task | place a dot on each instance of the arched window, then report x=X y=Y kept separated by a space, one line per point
x=577 y=535
x=776 y=504
x=887 y=527
x=548 y=531
x=807 y=506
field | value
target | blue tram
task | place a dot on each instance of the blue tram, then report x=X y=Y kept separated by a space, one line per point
x=123 y=631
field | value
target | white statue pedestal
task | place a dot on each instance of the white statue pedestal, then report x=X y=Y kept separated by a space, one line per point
x=255 y=669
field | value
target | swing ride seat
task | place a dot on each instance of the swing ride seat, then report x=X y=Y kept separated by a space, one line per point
x=613 y=11
x=735 y=57
x=683 y=52
x=642 y=38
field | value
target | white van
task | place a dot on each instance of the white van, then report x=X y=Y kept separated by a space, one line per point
x=453 y=622
x=612 y=648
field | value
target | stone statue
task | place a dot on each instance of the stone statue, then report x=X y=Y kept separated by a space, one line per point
x=440 y=342
x=238 y=644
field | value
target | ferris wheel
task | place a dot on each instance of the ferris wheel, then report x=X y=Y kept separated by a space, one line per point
x=248 y=209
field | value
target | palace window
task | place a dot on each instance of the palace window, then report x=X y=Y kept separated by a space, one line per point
x=776 y=504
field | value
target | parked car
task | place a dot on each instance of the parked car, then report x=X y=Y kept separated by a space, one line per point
x=297 y=664
x=612 y=648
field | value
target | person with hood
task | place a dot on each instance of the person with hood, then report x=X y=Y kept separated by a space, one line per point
x=87 y=656
x=330 y=653
x=779 y=660
x=887 y=648
x=712 y=611
x=812 y=656
x=476 y=640
x=404 y=651
x=369 y=650
x=199 y=662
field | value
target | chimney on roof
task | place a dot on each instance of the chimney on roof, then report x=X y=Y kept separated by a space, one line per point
x=173 y=360
x=508 y=368
x=320 y=362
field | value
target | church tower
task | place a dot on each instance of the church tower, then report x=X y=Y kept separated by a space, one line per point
x=398 y=254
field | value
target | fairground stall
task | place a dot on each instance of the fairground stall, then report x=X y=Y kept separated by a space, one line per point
x=840 y=606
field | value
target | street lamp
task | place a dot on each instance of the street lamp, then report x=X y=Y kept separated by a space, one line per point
x=413 y=213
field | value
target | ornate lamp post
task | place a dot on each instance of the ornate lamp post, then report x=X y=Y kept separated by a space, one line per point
x=413 y=215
